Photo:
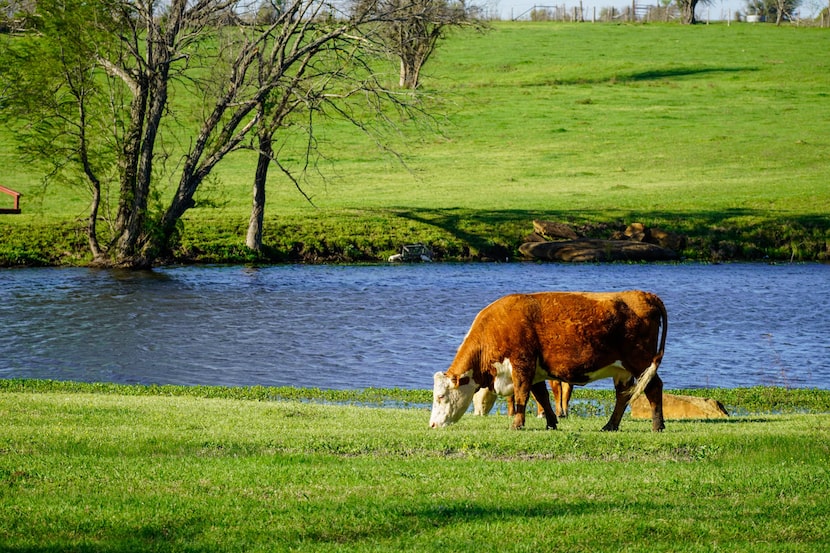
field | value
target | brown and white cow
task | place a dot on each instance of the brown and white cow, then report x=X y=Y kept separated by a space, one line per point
x=521 y=340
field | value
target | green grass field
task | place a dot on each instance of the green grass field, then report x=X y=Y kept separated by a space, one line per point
x=719 y=132
x=137 y=469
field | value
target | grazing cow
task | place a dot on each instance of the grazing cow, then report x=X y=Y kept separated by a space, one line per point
x=521 y=340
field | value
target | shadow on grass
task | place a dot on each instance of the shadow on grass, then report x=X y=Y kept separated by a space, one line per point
x=657 y=74
x=647 y=75
x=447 y=516
x=737 y=233
x=364 y=527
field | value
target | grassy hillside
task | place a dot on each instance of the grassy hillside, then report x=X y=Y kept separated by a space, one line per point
x=84 y=471
x=719 y=132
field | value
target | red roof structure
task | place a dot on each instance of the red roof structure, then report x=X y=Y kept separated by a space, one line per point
x=13 y=194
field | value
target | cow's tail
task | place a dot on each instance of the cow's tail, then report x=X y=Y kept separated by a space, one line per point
x=649 y=373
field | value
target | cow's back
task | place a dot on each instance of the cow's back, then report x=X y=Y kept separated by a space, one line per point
x=580 y=331
x=568 y=332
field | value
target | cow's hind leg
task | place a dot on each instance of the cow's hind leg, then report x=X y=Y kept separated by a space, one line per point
x=561 y=396
x=556 y=390
x=540 y=392
x=654 y=393
x=621 y=387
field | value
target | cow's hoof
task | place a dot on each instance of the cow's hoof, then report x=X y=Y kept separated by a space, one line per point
x=610 y=428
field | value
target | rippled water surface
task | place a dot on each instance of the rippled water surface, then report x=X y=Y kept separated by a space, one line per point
x=387 y=326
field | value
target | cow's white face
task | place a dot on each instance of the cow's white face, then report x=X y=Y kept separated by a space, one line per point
x=450 y=398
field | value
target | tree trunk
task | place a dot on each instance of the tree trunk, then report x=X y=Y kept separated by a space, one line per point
x=134 y=238
x=130 y=153
x=92 y=224
x=94 y=182
x=687 y=11
x=410 y=72
x=266 y=152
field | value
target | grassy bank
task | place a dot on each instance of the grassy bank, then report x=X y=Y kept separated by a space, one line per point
x=716 y=132
x=113 y=471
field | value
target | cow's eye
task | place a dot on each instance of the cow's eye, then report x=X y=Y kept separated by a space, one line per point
x=441 y=398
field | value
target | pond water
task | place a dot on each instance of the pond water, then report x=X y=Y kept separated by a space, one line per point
x=344 y=327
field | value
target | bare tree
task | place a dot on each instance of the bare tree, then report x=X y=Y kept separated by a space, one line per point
x=302 y=85
x=308 y=86
x=296 y=78
x=412 y=29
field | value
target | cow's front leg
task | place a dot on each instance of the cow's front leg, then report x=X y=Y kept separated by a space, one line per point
x=540 y=392
x=521 y=391
x=621 y=387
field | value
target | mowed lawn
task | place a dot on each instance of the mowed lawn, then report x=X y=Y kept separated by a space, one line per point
x=720 y=132
x=112 y=472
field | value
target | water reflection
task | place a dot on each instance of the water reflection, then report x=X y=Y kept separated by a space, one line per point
x=387 y=326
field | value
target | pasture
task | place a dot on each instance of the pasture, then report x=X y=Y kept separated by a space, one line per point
x=718 y=132
x=109 y=468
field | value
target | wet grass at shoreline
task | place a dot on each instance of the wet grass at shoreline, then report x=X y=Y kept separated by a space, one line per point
x=587 y=401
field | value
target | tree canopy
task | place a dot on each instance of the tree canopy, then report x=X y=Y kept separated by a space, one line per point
x=95 y=95
x=773 y=10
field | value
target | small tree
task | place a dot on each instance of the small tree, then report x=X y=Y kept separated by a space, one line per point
x=412 y=29
x=51 y=85
x=778 y=10
x=302 y=81
x=307 y=85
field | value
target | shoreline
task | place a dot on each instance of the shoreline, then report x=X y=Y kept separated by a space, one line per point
x=25 y=244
